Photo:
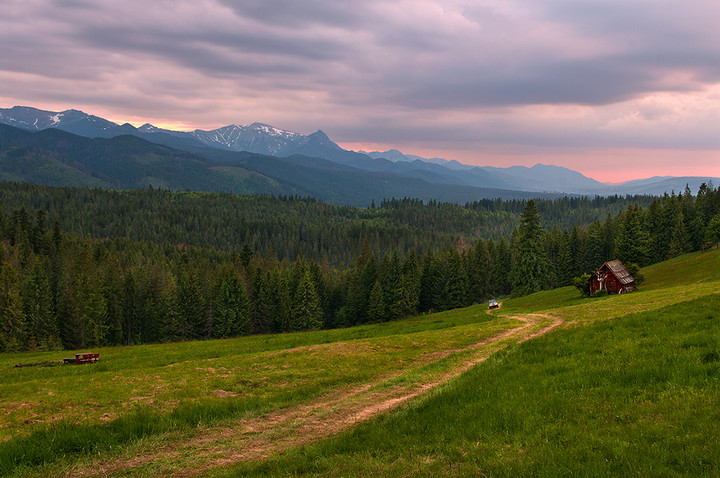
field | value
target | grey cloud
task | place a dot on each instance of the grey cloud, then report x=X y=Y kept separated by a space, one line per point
x=367 y=58
x=292 y=13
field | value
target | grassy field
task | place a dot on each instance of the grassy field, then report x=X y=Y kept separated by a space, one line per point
x=626 y=385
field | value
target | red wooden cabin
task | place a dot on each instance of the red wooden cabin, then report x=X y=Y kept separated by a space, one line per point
x=612 y=277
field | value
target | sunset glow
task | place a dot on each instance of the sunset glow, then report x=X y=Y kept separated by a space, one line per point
x=615 y=90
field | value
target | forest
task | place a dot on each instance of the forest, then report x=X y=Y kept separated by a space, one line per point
x=86 y=267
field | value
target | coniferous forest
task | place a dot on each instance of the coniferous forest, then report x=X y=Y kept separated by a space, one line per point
x=88 y=267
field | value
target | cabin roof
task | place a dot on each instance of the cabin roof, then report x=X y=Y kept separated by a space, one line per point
x=620 y=272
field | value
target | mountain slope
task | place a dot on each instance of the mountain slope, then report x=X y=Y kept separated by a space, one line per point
x=270 y=141
x=119 y=162
x=542 y=177
x=127 y=161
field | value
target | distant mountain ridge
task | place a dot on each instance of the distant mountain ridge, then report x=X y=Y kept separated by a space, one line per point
x=268 y=140
x=55 y=157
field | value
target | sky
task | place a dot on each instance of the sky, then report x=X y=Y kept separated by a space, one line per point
x=617 y=90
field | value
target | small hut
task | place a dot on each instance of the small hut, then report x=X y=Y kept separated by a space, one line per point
x=612 y=277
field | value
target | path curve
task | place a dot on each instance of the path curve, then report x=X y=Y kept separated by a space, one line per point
x=273 y=433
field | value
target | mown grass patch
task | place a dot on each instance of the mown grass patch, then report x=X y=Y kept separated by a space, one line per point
x=635 y=396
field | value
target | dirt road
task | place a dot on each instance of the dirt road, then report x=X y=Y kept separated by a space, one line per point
x=271 y=434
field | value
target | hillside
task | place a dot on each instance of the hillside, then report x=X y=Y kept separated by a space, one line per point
x=288 y=225
x=548 y=383
x=56 y=157
x=391 y=173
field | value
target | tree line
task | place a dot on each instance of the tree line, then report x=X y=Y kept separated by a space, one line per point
x=286 y=225
x=67 y=289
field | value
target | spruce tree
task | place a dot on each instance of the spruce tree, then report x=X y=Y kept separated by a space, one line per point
x=376 y=305
x=12 y=320
x=173 y=326
x=411 y=283
x=260 y=303
x=231 y=314
x=479 y=272
x=632 y=241
x=191 y=304
x=502 y=267
x=393 y=287
x=455 y=289
x=38 y=310
x=530 y=266
x=279 y=307
x=130 y=310
x=679 y=242
x=431 y=283
x=306 y=313
x=71 y=327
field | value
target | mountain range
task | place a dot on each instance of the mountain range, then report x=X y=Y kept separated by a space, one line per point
x=260 y=158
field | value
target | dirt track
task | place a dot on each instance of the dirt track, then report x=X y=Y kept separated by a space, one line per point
x=259 y=438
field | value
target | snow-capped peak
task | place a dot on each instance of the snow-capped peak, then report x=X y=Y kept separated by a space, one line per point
x=148 y=128
x=271 y=130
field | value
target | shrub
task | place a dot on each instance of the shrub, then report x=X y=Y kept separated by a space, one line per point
x=634 y=271
x=583 y=284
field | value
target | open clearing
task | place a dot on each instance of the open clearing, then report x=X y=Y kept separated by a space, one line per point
x=252 y=439
x=266 y=405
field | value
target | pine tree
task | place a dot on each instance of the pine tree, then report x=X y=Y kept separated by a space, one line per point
x=318 y=280
x=191 y=304
x=129 y=311
x=565 y=266
x=632 y=241
x=12 y=320
x=71 y=326
x=306 y=313
x=260 y=300
x=231 y=310
x=455 y=290
x=712 y=231
x=595 y=246
x=38 y=310
x=480 y=272
x=393 y=287
x=173 y=327
x=246 y=255
x=376 y=305
x=366 y=281
x=112 y=294
x=279 y=307
x=502 y=267
x=577 y=253
x=91 y=309
x=431 y=283
x=411 y=283
x=679 y=242
x=530 y=267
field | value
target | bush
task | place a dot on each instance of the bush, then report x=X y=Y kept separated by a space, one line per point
x=634 y=271
x=601 y=293
x=583 y=284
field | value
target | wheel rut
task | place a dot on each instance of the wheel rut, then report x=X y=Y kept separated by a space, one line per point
x=271 y=434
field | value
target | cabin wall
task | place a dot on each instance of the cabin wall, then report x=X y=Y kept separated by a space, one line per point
x=610 y=283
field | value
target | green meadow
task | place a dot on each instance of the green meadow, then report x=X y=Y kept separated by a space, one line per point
x=626 y=385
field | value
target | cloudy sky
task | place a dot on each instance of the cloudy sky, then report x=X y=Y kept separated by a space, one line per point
x=616 y=89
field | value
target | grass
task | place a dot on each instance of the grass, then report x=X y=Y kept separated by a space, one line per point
x=138 y=392
x=629 y=386
x=638 y=395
